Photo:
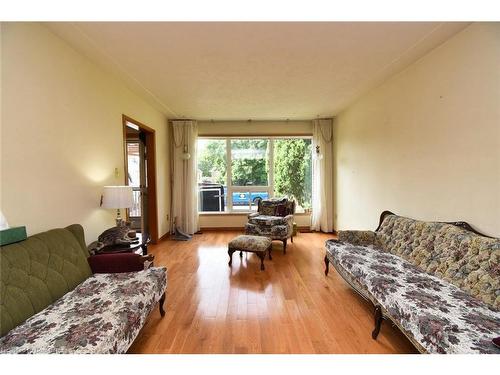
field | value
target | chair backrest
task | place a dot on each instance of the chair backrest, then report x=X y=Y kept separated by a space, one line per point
x=271 y=207
x=38 y=271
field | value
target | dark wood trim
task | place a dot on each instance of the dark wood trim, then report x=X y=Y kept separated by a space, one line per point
x=382 y=217
x=160 y=304
x=139 y=124
x=151 y=176
x=378 y=321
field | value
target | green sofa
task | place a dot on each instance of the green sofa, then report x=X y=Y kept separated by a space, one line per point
x=51 y=302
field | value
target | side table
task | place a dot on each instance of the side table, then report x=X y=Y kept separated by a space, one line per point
x=139 y=246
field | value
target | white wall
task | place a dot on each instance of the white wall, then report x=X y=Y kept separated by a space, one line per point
x=426 y=143
x=62 y=134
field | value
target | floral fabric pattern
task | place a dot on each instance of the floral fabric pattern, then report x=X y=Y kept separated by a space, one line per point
x=268 y=226
x=357 y=237
x=267 y=220
x=250 y=243
x=103 y=314
x=433 y=313
x=266 y=223
x=467 y=260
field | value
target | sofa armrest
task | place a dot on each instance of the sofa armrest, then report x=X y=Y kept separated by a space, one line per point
x=357 y=237
x=253 y=214
x=118 y=262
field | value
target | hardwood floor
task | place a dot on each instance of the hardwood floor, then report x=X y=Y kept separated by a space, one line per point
x=291 y=307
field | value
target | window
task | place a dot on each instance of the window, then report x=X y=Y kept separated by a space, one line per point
x=233 y=173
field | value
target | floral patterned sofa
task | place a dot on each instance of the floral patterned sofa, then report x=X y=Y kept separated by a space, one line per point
x=273 y=219
x=52 y=302
x=437 y=282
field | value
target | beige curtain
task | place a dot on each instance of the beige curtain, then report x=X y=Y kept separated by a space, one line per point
x=322 y=170
x=184 y=176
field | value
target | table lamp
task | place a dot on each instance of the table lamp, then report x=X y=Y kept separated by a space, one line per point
x=117 y=197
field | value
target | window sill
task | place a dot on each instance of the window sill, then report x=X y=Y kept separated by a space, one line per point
x=243 y=213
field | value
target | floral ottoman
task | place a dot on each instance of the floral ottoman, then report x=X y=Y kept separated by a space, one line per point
x=252 y=244
x=103 y=314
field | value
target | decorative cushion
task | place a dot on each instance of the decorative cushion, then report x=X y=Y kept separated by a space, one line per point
x=281 y=210
x=434 y=313
x=250 y=243
x=269 y=210
x=101 y=315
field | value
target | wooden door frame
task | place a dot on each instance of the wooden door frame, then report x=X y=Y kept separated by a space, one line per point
x=151 y=175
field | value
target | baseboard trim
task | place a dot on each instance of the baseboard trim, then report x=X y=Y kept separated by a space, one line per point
x=215 y=229
x=166 y=236
x=303 y=229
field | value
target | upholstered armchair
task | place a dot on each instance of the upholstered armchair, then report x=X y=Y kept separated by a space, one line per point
x=273 y=219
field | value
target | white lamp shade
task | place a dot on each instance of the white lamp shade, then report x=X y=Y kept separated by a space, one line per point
x=117 y=197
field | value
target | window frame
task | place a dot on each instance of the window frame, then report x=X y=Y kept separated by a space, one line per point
x=230 y=188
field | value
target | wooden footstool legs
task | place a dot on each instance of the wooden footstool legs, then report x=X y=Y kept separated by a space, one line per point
x=260 y=254
x=230 y=253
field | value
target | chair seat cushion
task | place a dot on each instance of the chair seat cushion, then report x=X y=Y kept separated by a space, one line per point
x=250 y=243
x=103 y=314
x=268 y=221
x=437 y=315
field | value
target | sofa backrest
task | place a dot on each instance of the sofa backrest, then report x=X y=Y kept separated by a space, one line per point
x=38 y=271
x=466 y=259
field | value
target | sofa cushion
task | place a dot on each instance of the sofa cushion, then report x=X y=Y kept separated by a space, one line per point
x=36 y=272
x=436 y=315
x=103 y=314
x=268 y=221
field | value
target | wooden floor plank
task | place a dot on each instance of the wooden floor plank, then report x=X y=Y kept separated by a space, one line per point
x=291 y=307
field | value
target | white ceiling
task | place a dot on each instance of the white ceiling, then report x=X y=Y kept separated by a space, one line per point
x=254 y=70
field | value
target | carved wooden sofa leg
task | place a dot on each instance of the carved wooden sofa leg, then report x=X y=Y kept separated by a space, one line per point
x=162 y=301
x=378 y=321
x=327 y=264
x=284 y=245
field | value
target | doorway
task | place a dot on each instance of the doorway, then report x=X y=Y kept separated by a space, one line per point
x=140 y=173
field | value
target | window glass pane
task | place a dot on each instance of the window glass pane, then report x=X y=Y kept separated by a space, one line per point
x=292 y=171
x=211 y=154
x=133 y=164
x=247 y=200
x=249 y=162
x=241 y=201
x=134 y=177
